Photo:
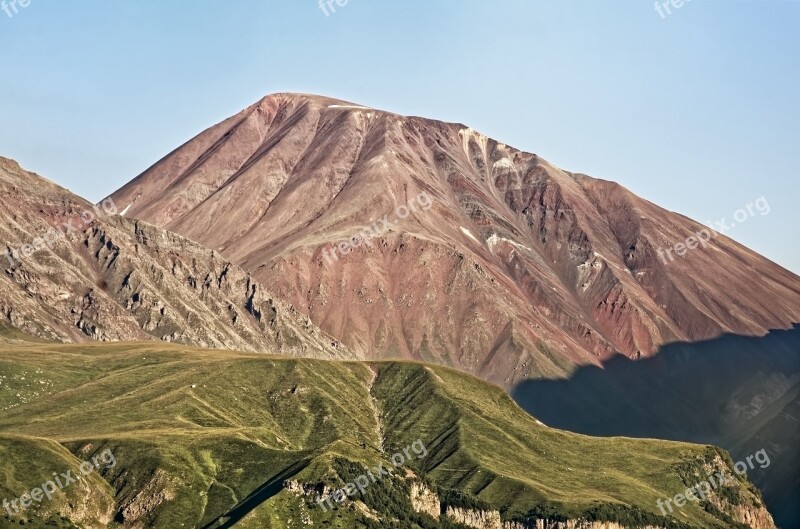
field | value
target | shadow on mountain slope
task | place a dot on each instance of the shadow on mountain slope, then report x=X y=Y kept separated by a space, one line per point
x=738 y=392
x=259 y=496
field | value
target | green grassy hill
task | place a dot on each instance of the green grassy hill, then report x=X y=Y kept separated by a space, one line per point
x=210 y=439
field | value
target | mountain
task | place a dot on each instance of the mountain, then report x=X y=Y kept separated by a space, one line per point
x=74 y=272
x=462 y=251
x=168 y=436
x=398 y=239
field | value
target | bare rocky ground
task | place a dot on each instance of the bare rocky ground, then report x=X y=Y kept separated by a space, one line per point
x=518 y=270
x=114 y=279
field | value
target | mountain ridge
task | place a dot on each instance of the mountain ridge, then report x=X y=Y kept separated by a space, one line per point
x=205 y=438
x=99 y=276
x=537 y=268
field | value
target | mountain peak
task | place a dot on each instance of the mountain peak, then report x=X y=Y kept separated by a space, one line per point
x=315 y=100
x=539 y=269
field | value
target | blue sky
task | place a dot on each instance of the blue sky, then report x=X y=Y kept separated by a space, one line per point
x=697 y=111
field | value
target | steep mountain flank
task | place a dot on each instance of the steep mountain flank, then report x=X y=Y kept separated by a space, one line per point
x=75 y=272
x=512 y=269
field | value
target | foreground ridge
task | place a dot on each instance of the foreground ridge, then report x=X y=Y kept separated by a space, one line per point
x=204 y=438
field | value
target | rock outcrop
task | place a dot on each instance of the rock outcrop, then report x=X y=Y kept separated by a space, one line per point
x=76 y=272
x=424 y=500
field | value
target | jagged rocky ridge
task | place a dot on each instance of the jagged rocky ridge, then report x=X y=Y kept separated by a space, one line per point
x=115 y=279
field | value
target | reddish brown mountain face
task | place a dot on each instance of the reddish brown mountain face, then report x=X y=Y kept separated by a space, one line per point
x=503 y=264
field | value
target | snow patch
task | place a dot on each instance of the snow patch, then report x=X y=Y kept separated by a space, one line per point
x=122 y=213
x=470 y=133
x=468 y=233
x=505 y=163
x=494 y=239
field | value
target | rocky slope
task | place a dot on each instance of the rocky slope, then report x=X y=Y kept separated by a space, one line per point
x=503 y=264
x=75 y=272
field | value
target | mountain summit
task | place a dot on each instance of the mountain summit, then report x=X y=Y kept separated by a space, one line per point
x=515 y=269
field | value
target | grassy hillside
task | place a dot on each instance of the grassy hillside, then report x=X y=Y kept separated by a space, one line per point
x=208 y=439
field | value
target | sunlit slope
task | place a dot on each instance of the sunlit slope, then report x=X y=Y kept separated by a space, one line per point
x=209 y=439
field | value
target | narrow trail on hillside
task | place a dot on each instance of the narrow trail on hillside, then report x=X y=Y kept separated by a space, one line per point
x=376 y=410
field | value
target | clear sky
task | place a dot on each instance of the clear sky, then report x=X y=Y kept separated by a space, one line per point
x=696 y=110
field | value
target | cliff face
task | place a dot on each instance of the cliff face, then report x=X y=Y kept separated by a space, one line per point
x=569 y=524
x=734 y=502
x=508 y=267
x=424 y=500
x=491 y=520
x=74 y=272
x=755 y=519
x=475 y=518
x=743 y=507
